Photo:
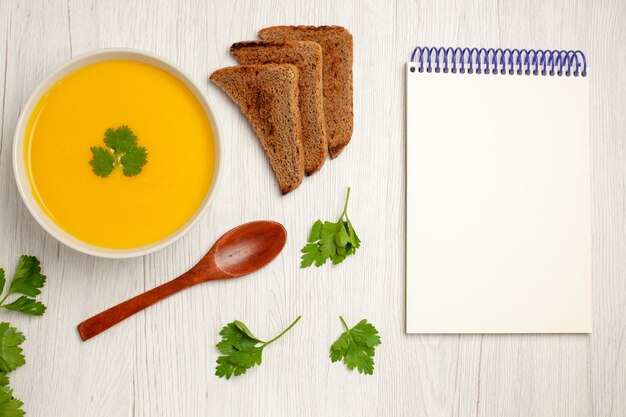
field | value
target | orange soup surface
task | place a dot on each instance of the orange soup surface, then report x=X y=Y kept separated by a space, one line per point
x=119 y=211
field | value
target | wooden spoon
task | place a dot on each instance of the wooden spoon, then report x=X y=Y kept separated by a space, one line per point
x=239 y=252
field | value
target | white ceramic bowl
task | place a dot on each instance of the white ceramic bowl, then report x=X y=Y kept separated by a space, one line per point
x=19 y=166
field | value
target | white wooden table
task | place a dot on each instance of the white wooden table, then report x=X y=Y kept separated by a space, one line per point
x=161 y=362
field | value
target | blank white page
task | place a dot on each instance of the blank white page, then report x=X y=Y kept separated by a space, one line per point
x=498 y=204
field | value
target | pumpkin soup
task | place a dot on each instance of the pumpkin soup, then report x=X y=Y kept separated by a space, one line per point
x=71 y=127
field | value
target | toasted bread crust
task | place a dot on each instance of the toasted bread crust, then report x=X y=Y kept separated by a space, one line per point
x=337 y=53
x=268 y=97
x=307 y=56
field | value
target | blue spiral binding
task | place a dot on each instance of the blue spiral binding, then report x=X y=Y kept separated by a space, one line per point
x=500 y=61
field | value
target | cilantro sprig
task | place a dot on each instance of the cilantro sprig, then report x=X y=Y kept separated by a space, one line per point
x=334 y=241
x=27 y=281
x=241 y=350
x=121 y=151
x=356 y=347
x=9 y=405
x=11 y=357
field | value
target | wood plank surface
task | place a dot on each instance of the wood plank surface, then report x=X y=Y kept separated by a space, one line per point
x=161 y=362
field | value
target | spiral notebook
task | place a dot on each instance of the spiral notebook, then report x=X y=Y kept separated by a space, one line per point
x=498 y=191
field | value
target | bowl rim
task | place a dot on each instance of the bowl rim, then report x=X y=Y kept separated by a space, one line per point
x=72 y=65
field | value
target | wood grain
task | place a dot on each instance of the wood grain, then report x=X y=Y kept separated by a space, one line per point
x=161 y=362
x=240 y=251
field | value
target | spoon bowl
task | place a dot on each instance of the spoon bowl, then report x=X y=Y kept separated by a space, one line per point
x=241 y=251
x=249 y=247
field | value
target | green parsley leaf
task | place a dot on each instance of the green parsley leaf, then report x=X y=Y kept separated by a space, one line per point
x=9 y=405
x=246 y=331
x=11 y=356
x=27 y=305
x=133 y=161
x=316 y=232
x=328 y=240
x=28 y=280
x=121 y=150
x=121 y=140
x=356 y=347
x=240 y=349
x=312 y=254
x=102 y=162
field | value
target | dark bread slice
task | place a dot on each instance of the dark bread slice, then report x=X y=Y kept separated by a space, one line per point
x=307 y=56
x=268 y=97
x=336 y=43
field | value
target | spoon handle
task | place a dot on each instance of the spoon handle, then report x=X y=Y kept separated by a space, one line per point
x=109 y=318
